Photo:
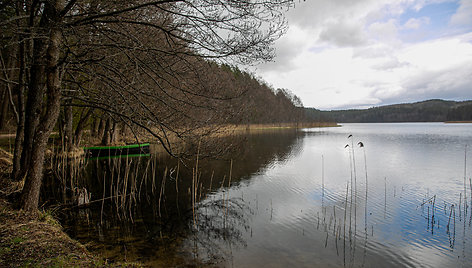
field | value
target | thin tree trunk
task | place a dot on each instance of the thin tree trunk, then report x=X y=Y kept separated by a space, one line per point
x=68 y=126
x=80 y=127
x=114 y=136
x=7 y=74
x=94 y=128
x=101 y=128
x=106 y=139
x=20 y=127
x=4 y=110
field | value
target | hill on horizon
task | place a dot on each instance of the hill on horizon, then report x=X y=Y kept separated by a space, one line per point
x=434 y=110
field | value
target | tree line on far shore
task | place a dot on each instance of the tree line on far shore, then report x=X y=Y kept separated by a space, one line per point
x=426 y=111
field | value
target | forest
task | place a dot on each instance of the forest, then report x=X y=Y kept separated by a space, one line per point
x=425 y=111
x=108 y=69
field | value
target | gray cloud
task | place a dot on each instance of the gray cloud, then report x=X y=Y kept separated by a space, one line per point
x=454 y=83
x=390 y=64
x=343 y=34
x=309 y=14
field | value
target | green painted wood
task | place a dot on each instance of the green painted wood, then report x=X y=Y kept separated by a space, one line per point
x=116 y=147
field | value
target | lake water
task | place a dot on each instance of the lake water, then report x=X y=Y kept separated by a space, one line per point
x=307 y=198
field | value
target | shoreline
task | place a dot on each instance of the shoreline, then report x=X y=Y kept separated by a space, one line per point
x=457 y=122
x=38 y=239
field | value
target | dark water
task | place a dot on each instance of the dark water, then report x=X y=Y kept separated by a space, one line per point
x=295 y=199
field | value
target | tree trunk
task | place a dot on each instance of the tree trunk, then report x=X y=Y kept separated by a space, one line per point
x=80 y=127
x=33 y=104
x=94 y=128
x=31 y=190
x=114 y=136
x=8 y=74
x=20 y=127
x=101 y=128
x=68 y=126
x=4 y=110
x=106 y=139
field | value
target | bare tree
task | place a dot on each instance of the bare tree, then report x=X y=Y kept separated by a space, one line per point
x=139 y=61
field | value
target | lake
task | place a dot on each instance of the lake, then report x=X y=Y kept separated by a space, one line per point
x=306 y=198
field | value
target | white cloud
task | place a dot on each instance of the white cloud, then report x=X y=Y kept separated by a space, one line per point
x=416 y=23
x=342 y=53
x=390 y=64
x=373 y=51
x=385 y=31
x=463 y=16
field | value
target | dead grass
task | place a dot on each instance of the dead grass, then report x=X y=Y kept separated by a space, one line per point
x=37 y=240
x=27 y=240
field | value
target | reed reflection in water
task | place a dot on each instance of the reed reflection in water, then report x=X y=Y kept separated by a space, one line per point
x=301 y=199
x=143 y=208
x=307 y=209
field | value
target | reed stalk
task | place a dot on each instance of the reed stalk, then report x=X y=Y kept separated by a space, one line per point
x=229 y=185
x=352 y=187
x=193 y=198
x=177 y=187
x=334 y=212
x=345 y=214
x=125 y=185
x=103 y=199
x=470 y=185
x=144 y=178
x=385 y=202
x=450 y=216
x=195 y=184
x=433 y=212
x=345 y=209
x=465 y=178
x=163 y=185
x=153 y=173
x=211 y=179
x=355 y=185
x=322 y=175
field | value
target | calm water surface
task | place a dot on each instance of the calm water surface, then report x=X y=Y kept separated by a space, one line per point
x=305 y=199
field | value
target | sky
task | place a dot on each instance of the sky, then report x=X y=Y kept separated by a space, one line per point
x=344 y=54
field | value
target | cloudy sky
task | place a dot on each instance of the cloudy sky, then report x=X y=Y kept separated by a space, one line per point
x=341 y=54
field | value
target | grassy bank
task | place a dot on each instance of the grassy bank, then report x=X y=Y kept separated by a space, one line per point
x=284 y=126
x=37 y=240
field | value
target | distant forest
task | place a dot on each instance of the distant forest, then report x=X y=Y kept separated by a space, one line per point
x=426 y=111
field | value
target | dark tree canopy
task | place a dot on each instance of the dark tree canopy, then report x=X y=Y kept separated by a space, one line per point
x=144 y=64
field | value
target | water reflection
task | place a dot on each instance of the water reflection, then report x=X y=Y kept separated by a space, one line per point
x=307 y=217
x=294 y=199
x=143 y=208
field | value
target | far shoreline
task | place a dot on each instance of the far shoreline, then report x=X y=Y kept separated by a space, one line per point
x=457 y=122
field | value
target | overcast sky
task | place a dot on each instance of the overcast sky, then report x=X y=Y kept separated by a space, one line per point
x=341 y=54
